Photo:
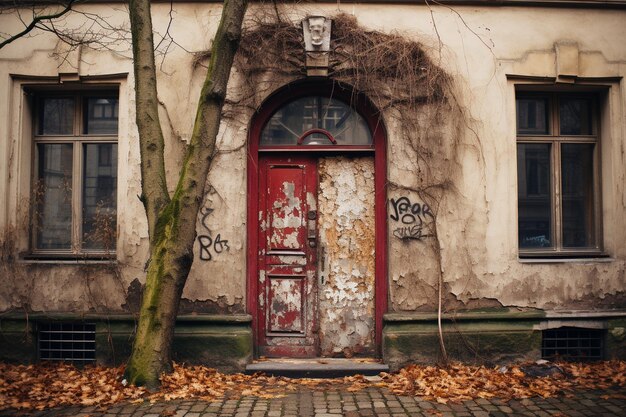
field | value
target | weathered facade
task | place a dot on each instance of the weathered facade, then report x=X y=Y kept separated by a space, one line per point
x=343 y=206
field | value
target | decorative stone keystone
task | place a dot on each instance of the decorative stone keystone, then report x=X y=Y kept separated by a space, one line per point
x=566 y=61
x=316 y=31
x=69 y=77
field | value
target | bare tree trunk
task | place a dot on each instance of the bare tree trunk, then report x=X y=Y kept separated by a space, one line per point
x=151 y=142
x=172 y=222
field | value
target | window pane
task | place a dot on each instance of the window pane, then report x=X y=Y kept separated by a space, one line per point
x=533 y=192
x=100 y=196
x=100 y=116
x=342 y=121
x=56 y=116
x=53 y=196
x=532 y=116
x=577 y=195
x=575 y=116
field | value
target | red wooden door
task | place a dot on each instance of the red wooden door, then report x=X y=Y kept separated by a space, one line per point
x=287 y=285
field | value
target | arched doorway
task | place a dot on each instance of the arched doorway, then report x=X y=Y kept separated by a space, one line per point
x=317 y=235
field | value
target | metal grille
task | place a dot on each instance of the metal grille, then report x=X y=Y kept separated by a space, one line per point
x=571 y=343
x=70 y=342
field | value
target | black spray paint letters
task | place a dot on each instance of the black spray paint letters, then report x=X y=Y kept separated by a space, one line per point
x=412 y=217
x=409 y=232
x=206 y=243
x=205 y=211
x=407 y=212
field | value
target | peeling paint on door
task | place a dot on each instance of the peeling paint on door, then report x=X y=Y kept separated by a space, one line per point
x=346 y=265
x=286 y=286
x=286 y=219
x=286 y=309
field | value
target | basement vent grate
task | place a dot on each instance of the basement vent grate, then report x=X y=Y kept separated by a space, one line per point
x=69 y=342
x=573 y=344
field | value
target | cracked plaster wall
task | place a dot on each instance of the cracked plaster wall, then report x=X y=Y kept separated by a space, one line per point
x=214 y=286
x=477 y=219
x=477 y=224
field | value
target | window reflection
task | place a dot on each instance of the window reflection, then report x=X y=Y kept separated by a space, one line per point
x=577 y=179
x=557 y=174
x=532 y=116
x=56 y=116
x=74 y=194
x=291 y=121
x=99 y=196
x=53 y=195
x=575 y=116
x=101 y=116
x=534 y=204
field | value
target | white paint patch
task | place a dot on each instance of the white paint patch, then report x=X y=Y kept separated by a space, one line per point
x=286 y=305
x=311 y=201
x=291 y=240
x=346 y=227
x=292 y=260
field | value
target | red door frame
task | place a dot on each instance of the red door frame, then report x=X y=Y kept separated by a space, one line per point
x=375 y=123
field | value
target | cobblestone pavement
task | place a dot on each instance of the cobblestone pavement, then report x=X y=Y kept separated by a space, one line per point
x=368 y=402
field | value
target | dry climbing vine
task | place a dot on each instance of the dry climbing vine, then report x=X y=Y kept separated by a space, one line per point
x=414 y=95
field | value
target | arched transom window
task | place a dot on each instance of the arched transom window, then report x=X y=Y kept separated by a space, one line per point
x=316 y=121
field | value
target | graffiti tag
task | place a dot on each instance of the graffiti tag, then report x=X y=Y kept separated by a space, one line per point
x=407 y=212
x=207 y=243
x=205 y=211
x=412 y=217
x=409 y=232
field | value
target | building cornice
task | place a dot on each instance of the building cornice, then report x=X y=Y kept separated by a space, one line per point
x=571 y=4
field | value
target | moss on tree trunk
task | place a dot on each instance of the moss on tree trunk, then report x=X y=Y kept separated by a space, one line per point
x=172 y=221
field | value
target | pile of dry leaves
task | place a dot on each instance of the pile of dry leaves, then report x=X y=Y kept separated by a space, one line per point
x=459 y=382
x=51 y=385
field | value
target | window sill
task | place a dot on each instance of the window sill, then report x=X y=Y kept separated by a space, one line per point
x=587 y=260
x=67 y=259
x=83 y=261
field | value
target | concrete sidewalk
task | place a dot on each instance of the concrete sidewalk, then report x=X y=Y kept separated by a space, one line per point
x=371 y=401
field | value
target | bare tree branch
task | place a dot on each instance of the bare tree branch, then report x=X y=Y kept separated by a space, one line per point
x=35 y=23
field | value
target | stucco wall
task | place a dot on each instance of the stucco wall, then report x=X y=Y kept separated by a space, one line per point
x=477 y=221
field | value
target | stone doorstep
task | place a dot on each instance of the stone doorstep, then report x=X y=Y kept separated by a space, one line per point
x=317 y=367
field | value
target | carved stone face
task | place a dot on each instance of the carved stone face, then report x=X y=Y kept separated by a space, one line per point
x=317 y=29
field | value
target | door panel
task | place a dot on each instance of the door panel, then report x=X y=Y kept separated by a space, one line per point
x=286 y=193
x=287 y=256
x=286 y=296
